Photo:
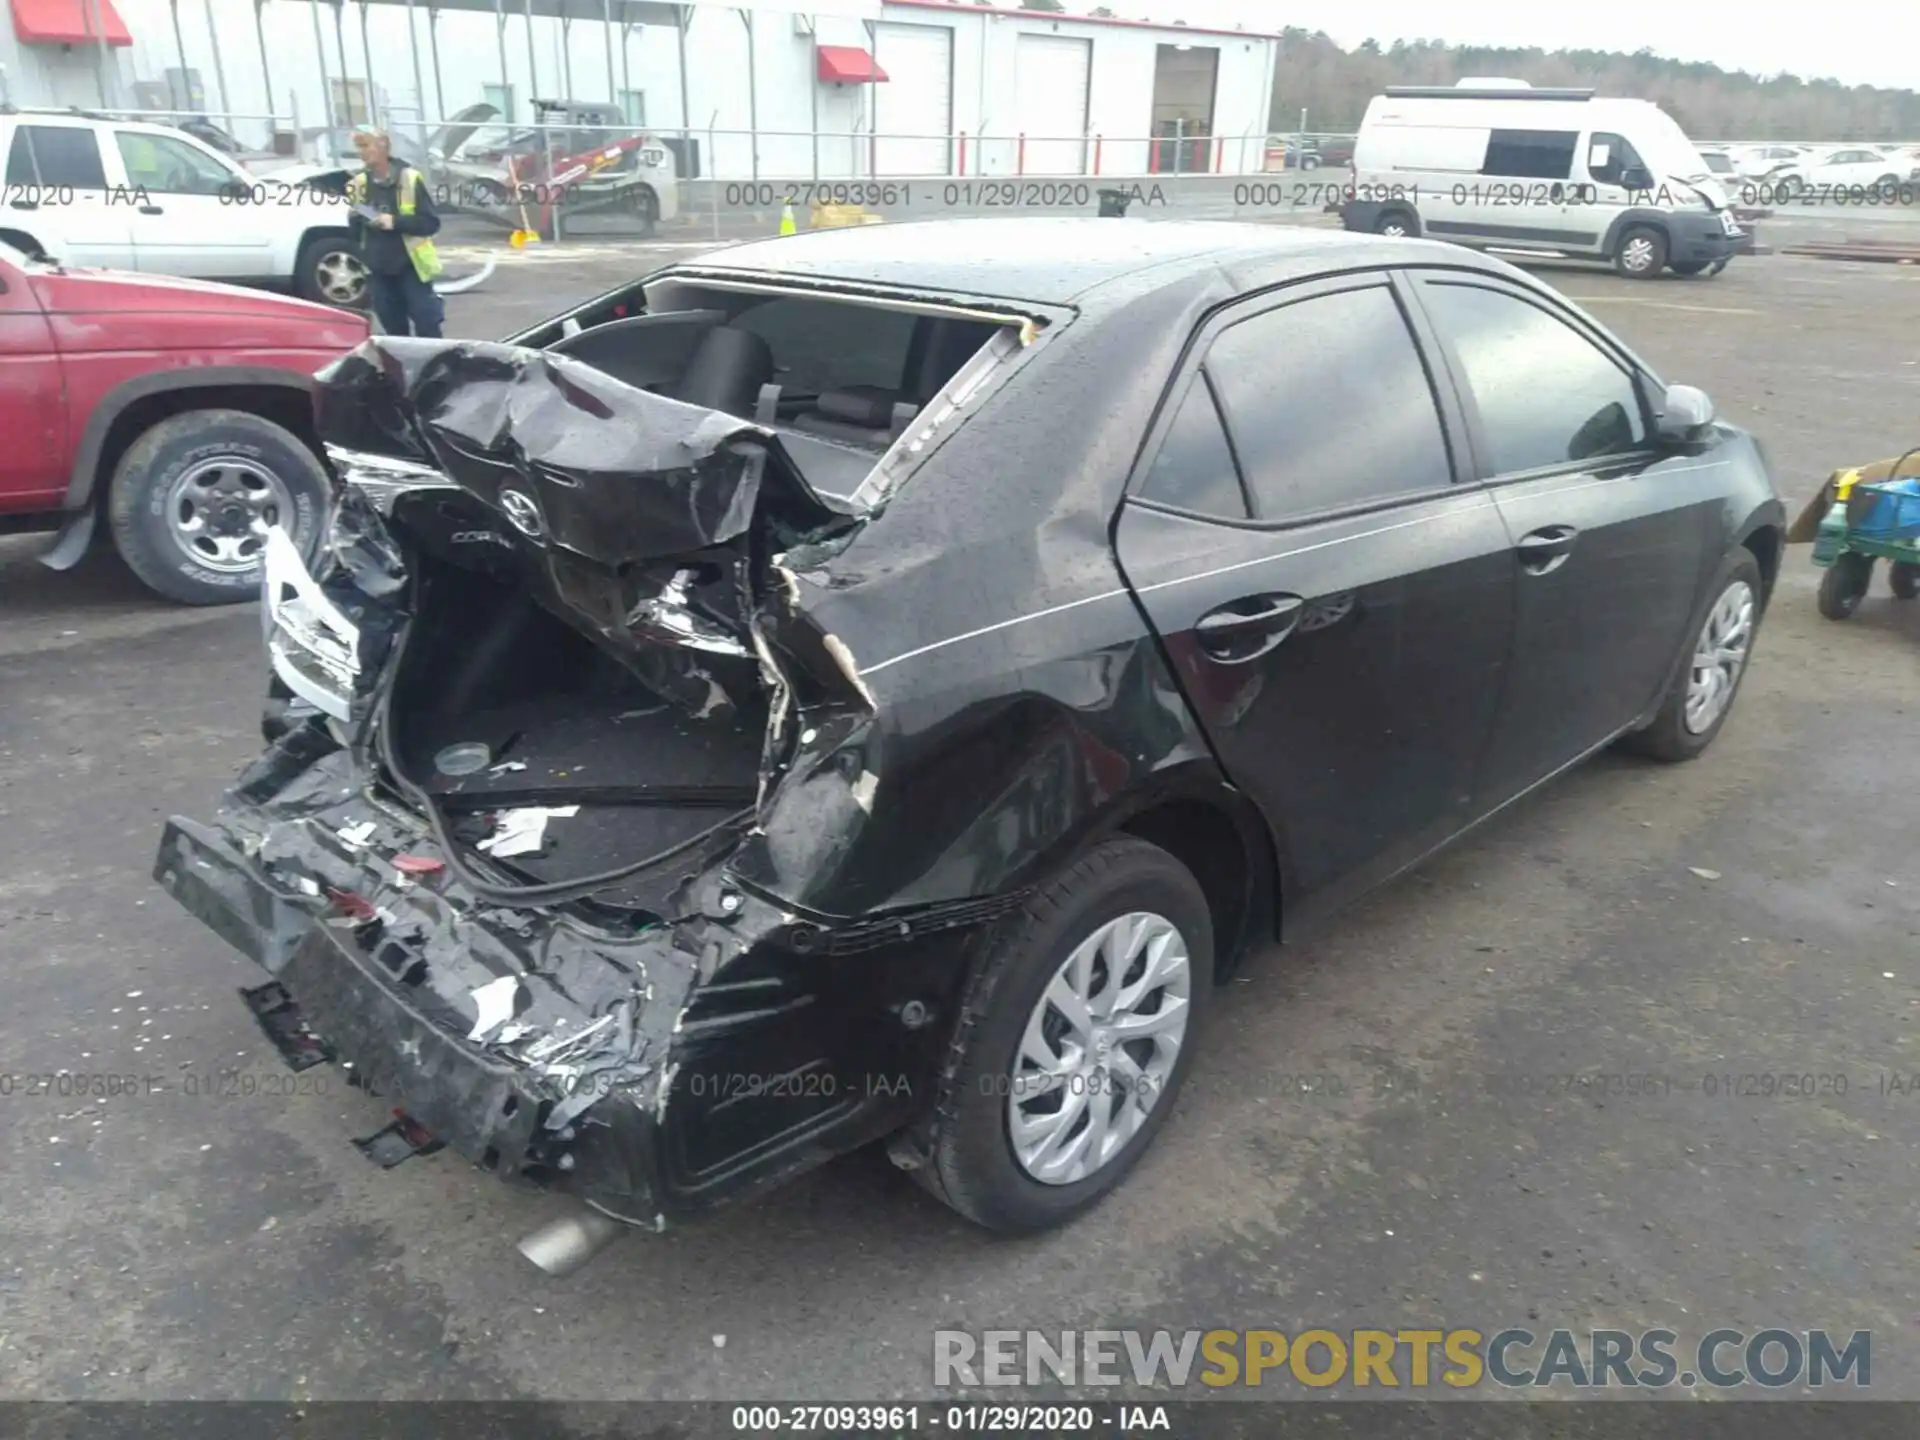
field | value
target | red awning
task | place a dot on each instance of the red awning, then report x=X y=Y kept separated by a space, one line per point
x=68 y=22
x=841 y=65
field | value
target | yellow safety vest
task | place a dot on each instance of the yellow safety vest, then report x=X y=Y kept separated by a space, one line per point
x=426 y=260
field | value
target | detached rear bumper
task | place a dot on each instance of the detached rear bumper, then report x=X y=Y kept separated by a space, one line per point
x=653 y=1074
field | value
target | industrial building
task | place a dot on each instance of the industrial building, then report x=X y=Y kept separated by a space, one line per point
x=833 y=88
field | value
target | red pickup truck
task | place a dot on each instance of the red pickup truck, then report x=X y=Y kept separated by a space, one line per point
x=179 y=409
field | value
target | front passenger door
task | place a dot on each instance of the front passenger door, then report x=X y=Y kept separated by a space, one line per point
x=1336 y=604
x=187 y=212
x=1610 y=532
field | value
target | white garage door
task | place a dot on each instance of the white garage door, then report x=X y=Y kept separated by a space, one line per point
x=916 y=104
x=1051 y=99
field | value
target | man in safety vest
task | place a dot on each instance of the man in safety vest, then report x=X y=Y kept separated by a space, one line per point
x=393 y=216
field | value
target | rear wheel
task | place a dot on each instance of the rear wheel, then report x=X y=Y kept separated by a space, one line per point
x=1074 y=1038
x=1903 y=578
x=1396 y=222
x=1641 y=253
x=1845 y=584
x=193 y=499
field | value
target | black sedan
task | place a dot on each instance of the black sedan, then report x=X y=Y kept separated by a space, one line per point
x=872 y=685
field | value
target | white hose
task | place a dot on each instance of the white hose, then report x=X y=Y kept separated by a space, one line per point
x=444 y=286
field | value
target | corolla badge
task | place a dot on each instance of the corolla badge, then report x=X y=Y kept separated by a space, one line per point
x=524 y=513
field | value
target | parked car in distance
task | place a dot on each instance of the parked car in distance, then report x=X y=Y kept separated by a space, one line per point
x=122 y=195
x=1756 y=162
x=179 y=411
x=1720 y=165
x=1849 y=168
x=1004 y=649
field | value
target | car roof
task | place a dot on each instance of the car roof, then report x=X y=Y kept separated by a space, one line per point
x=1061 y=260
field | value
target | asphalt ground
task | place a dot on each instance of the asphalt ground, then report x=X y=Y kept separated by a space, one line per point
x=1379 y=1131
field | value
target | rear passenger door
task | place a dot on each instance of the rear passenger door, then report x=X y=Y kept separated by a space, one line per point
x=1610 y=531
x=1335 y=601
x=56 y=191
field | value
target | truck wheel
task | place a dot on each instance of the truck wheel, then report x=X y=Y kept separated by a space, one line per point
x=644 y=206
x=1073 y=1039
x=1396 y=223
x=192 y=500
x=1641 y=253
x=1845 y=584
x=331 y=271
x=1903 y=578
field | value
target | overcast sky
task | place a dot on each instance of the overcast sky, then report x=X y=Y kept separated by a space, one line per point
x=1858 y=44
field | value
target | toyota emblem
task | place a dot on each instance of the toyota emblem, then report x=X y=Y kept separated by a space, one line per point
x=523 y=512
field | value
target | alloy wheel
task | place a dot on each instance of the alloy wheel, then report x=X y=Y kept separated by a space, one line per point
x=1099 y=1048
x=341 y=277
x=1718 y=657
x=1637 y=254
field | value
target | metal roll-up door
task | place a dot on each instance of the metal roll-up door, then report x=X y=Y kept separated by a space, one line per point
x=915 y=106
x=1051 y=98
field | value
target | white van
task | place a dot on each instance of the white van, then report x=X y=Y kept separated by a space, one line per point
x=1502 y=165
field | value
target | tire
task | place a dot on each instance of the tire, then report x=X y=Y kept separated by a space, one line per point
x=1845 y=584
x=226 y=471
x=1679 y=731
x=971 y=1161
x=1903 y=578
x=1689 y=268
x=1397 y=223
x=1641 y=253
x=645 y=207
x=331 y=272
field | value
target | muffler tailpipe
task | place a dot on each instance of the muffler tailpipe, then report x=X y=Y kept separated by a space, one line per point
x=562 y=1246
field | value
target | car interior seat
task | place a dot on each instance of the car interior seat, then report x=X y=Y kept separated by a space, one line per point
x=646 y=351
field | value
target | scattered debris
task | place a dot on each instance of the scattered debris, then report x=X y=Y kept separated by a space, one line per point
x=507 y=767
x=402 y=1140
x=524 y=831
x=1704 y=874
x=358 y=835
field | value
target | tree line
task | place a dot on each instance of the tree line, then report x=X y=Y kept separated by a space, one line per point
x=1333 y=85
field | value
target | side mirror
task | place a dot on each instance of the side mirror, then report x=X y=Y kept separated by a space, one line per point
x=1684 y=412
x=1637 y=177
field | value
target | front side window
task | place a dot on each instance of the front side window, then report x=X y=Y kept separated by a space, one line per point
x=1612 y=161
x=1546 y=394
x=163 y=165
x=1328 y=404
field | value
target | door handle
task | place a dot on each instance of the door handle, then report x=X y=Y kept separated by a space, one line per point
x=152 y=210
x=1545 y=550
x=1247 y=628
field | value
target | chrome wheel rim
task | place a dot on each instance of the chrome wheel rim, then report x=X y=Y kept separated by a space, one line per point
x=1718 y=657
x=1099 y=1048
x=1638 y=253
x=220 y=510
x=340 y=277
x=1393 y=227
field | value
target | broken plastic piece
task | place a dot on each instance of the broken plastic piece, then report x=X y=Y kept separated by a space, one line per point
x=493 y=1005
x=279 y=1017
x=419 y=864
x=524 y=831
x=402 y=1140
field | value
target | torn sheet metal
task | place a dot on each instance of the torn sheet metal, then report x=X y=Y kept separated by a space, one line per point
x=571 y=456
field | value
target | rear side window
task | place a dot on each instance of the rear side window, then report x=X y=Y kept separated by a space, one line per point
x=1531 y=154
x=1328 y=404
x=55 y=155
x=1546 y=394
x=1194 y=469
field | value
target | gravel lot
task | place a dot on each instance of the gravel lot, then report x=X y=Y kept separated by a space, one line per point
x=235 y=1245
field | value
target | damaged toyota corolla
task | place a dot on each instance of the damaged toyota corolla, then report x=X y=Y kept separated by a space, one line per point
x=845 y=688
